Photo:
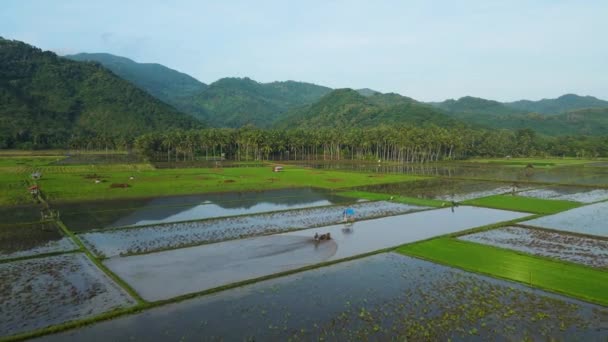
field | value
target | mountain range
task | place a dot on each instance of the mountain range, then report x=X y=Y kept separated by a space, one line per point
x=235 y=102
x=54 y=98
x=46 y=100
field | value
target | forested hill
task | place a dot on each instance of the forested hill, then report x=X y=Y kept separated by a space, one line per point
x=50 y=101
x=560 y=105
x=344 y=108
x=235 y=102
x=476 y=106
x=497 y=115
x=581 y=122
x=160 y=81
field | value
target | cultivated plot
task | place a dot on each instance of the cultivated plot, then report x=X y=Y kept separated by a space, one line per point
x=121 y=213
x=573 y=248
x=204 y=267
x=24 y=240
x=584 y=195
x=19 y=213
x=158 y=237
x=37 y=293
x=445 y=189
x=383 y=297
x=590 y=219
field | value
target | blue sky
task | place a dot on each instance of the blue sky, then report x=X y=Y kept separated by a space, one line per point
x=428 y=50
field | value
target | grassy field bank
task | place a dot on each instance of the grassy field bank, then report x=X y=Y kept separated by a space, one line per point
x=78 y=182
x=525 y=204
x=570 y=279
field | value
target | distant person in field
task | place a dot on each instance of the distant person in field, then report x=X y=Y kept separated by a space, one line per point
x=348 y=215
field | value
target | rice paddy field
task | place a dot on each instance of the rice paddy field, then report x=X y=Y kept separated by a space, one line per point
x=167 y=209
x=590 y=220
x=383 y=297
x=174 y=235
x=37 y=293
x=22 y=240
x=573 y=248
x=130 y=250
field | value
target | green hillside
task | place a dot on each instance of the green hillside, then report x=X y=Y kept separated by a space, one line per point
x=344 y=108
x=48 y=101
x=473 y=106
x=158 y=80
x=235 y=102
x=581 y=122
x=560 y=105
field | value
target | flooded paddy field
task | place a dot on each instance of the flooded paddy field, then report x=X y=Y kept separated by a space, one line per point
x=567 y=193
x=37 y=293
x=96 y=158
x=382 y=297
x=589 y=219
x=135 y=212
x=19 y=214
x=205 y=164
x=444 y=189
x=21 y=240
x=157 y=237
x=578 y=175
x=204 y=267
x=573 y=248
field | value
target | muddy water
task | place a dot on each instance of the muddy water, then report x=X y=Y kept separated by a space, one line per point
x=119 y=213
x=590 y=219
x=574 y=248
x=158 y=237
x=199 y=268
x=21 y=240
x=37 y=293
x=567 y=193
x=383 y=297
x=445 y=189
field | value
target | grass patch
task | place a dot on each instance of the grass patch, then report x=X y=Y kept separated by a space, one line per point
x=373 y=196
x=525 y=204
x=574 y=280
x=68 y=182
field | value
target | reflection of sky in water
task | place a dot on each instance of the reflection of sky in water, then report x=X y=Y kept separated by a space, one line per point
x=399 y=289
x=204 y=267
x=590 y=219
x=584 y=195
x=206 y=210
x=197 y=207
x=564 y=175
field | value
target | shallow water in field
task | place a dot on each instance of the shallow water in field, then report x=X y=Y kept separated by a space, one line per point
x=157 y=237
x=204 y=267
x=590 y=219
x=445 y=189
x=573 y=248
x=37 y=293
x=567 y=193
x=562 y=175
x=135 y=212
x=21 y=240
x=382 y=297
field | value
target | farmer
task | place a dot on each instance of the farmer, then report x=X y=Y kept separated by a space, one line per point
x=349 y=214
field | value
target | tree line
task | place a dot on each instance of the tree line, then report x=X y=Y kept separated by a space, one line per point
x=402 y=144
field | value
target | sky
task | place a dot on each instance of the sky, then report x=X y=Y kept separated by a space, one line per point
x=429 y=50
